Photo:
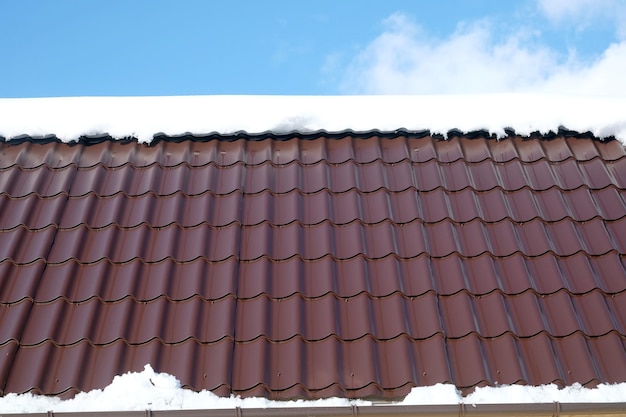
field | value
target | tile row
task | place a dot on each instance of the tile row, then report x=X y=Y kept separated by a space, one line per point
x=279 y=320
x=307 y=151
x=279 y=243
x=455 y=176
x=360 y=368
x=103 y=280
x=552 y=205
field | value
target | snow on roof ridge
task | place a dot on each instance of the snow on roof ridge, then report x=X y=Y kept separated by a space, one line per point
x=69 y=118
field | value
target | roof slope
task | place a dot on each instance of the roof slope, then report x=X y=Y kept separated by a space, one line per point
x=316 y=265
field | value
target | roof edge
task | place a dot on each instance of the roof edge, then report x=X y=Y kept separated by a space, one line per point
x=555 y=409
x=306 y=135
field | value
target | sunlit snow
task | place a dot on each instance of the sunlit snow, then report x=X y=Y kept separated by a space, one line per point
x=149 y=390
x=143 y=117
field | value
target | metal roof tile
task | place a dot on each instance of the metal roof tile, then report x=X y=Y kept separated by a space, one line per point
x=135 y=322
x=208 y=369
x=18 y=283
x=12 y=319
x=611 y=202
x=352 y=265
x=77 y=282
x=584 y=149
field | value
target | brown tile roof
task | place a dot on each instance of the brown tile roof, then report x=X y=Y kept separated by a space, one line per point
x=317 y=265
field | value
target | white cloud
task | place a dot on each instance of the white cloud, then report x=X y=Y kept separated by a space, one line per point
x=583 y=13
x=475 y=59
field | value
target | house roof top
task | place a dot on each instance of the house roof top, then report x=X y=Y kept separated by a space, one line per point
x=316 y=265
x=70 y=118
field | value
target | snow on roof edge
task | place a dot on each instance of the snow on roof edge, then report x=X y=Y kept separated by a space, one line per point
x=143 y=118
x=88 y=139
x=150 y=390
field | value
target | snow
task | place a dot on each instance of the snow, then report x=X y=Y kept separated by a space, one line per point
x=143 y=117
x=149 y=390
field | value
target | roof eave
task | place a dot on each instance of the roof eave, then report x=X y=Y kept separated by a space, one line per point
x=554 y=409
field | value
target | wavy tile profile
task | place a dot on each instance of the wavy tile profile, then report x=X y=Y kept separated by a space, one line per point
x=313 y=265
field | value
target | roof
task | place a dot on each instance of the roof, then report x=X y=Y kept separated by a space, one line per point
x=313 y=265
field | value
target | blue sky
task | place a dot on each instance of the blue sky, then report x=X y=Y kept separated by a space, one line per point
x=154 y=47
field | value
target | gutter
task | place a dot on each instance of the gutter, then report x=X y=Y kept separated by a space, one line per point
x=555 y=409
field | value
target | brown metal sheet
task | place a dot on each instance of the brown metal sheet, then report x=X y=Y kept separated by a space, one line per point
x=12 y=320
x=449 y=150
x=135 y=322
x=313 y=266
x=367 y=150
x=584 y=150
x=375 y=241
x=43 y=181
x=312 y=150
x=513 y=274
x=19 y=282
x=77 y=282
x=316 y=366
x=23 y=246
x=209 y=369
x=34 y=155
x=611 y=202
x=31 y=211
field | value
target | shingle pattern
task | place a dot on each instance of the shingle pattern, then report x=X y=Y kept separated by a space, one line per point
x=316 y=265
